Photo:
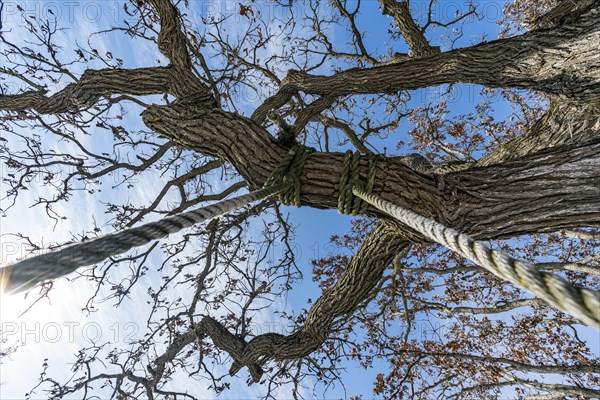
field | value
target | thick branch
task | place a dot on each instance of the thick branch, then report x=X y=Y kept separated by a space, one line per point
x=407 y=26
x=561 y=61
x=507 y=306
x=520 y=366
x=354 y=139
x=553 y=187
x=565 y=390
x=95 y=84
x=563 y=123
x=171 y=40
x=364 y=272
x=564 y=9
x=311 y=111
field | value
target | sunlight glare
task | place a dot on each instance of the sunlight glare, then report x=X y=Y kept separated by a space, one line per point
x=7 y=300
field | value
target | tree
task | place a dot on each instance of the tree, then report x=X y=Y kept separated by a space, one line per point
x=532 y=176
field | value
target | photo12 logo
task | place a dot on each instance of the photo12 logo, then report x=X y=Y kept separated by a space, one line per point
x=52 y=10
x=71 y=332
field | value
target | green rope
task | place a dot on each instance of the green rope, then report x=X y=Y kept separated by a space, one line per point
x=290 y=169
x=348 y=203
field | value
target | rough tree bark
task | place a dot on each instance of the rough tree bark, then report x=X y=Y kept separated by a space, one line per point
x=542 y=182
x=540 y=60
x=540 y=192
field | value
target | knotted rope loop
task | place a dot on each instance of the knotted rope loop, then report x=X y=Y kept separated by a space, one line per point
x=289 y=169
x=348 y=203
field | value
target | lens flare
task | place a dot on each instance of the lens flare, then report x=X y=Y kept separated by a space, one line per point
x=4 y=295
x=3 y=282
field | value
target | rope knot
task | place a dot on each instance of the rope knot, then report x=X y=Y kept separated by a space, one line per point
x=348 y=203
x=289 y=170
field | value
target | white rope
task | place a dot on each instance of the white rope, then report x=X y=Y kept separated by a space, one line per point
x=28 y=273
x=583 y=304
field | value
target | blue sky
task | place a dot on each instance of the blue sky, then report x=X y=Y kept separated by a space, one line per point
x=57 y=329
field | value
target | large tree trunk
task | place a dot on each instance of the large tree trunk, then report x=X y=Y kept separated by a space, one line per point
x=558 y=188
x=538 y=193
